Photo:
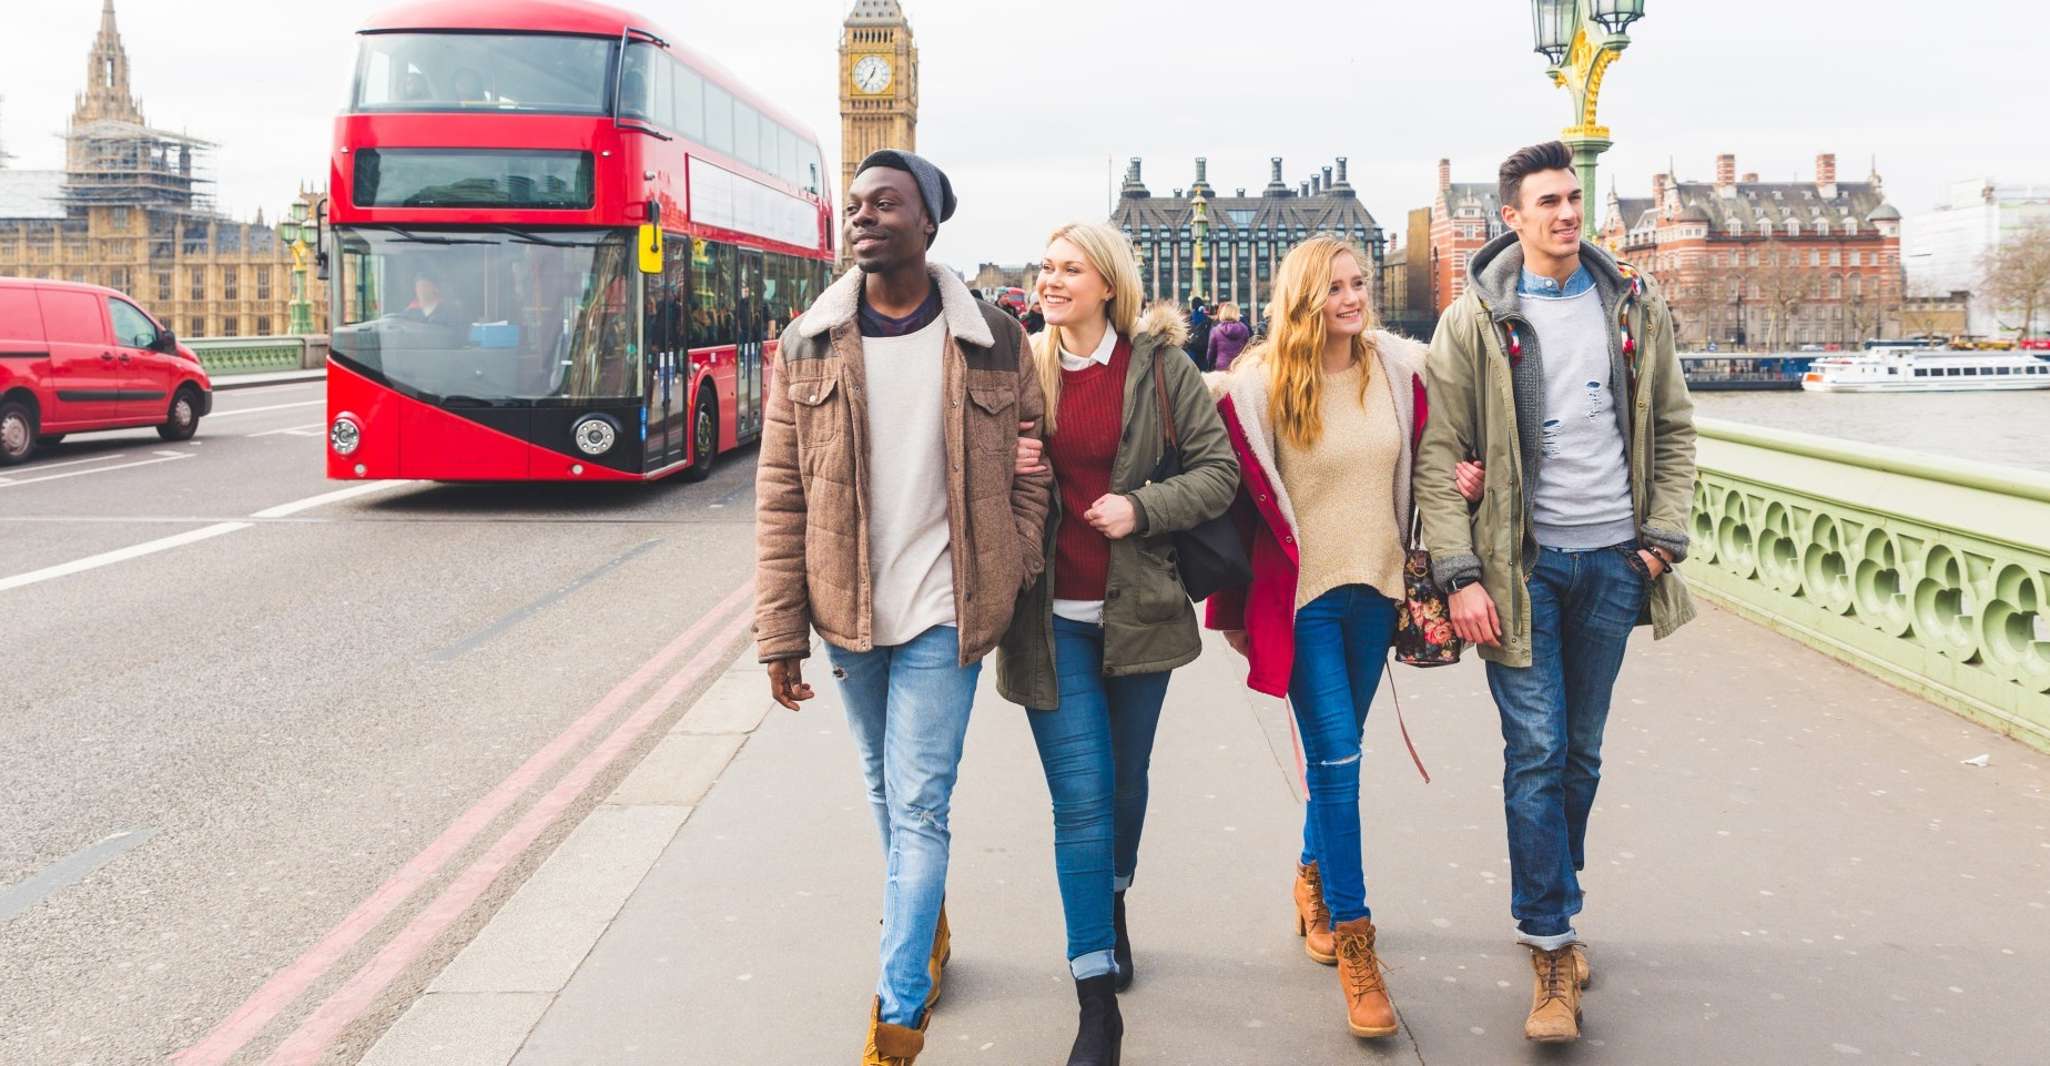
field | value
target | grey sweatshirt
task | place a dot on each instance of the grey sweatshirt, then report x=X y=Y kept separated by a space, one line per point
x=1583 y=486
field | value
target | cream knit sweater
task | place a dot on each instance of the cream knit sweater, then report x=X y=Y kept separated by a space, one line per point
x=1343 y=488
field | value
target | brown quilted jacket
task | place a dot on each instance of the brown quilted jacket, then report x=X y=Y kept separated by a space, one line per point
x=811 y=484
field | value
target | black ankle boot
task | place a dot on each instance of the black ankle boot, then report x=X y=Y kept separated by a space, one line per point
x=1100 y=1037
x=1122 y=953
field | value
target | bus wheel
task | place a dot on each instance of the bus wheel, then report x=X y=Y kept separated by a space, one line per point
x=182 y=421
x=17 y=432
x=704 y=442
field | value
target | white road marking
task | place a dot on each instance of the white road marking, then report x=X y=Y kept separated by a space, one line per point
x=267 y=407
x=119 y=555
x=81 y=462
x=286 y=509
x=310 y=429
x=167 y=457
x=179 y=540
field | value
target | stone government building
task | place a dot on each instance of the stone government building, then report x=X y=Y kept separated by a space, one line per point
x=1241 y=238
x=130 y=211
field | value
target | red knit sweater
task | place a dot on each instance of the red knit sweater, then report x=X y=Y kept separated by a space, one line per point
x=1084 y=444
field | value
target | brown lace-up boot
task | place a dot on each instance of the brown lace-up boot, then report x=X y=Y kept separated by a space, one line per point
x=892 y=1045
x=1554 y=998
x=942 y=950
x=1312 y=918
x=1583 y=974
x=1368 y=1011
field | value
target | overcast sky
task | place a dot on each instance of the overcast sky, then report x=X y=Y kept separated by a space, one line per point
x=1025 y=110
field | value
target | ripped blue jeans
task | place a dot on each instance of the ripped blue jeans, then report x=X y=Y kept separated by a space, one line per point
x=907 y=706
x=1341 y=642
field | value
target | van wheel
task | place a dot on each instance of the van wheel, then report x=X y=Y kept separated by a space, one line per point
x=182 y=421
x=704 y=442
x=17 y=432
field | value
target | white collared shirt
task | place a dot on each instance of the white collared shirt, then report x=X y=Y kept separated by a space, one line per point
x=1105 y=348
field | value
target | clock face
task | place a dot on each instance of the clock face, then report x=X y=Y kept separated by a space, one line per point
x=872 y=74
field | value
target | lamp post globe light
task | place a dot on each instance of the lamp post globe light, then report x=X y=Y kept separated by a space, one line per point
x=1579 y=39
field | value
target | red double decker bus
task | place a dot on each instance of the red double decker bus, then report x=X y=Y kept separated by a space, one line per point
x=560 y=247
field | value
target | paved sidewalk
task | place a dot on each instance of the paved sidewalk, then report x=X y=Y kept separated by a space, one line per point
x=230 y=382
x=1789 y=864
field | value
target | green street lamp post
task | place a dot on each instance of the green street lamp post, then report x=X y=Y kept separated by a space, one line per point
x=1579 y=39
x=297 y=231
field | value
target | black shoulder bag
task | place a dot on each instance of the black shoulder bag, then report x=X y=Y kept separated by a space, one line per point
x=1209 y=558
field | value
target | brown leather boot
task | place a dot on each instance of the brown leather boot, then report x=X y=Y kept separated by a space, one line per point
x=1583 y=974
x=942 y=950
x=1368 y=1011
x=1312 y=918
x=1554 y=998
x=892 y=1045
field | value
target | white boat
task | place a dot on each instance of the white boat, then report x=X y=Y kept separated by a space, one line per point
x=1927 y=370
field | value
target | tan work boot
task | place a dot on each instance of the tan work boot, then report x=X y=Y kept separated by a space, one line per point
x=1554 y=998
x=1583 y=974
x=1368 y=1011
x=942 y=950
x=892 y=1045
x=1312 y=918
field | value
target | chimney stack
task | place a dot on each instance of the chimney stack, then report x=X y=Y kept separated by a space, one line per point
x=1444 y=174
x=1305 y=189
x=1825 y=175
x=1327 y=177
x=1750 y=177
x=1274 y=171
x=1658 y=190
x=1341 y=172
x=1316 y=184
x=1275 y=186
x=1725 y=169
x=1133 y=186
x=1202 y=171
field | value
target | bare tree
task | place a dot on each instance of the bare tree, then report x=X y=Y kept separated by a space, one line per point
x=1786 y=285
x=1868 y=307
x=2016 y=274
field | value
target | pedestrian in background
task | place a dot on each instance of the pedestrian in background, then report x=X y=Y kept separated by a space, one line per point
x=866 y=534
x=1199 y=333
x=1228 y=337
x=1093 y=641
x=1549 y=578
x=1324 y=415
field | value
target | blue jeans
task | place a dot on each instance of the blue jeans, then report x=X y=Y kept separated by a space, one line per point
x=1341 y=645
x=1095 y=748
x=1582 y=607
x=907 y=706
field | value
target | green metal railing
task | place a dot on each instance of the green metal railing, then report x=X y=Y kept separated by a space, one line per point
x=227 y=356
x=1933 y=574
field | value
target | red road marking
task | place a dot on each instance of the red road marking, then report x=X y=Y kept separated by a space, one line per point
x=285 y=987
x=310 y=1041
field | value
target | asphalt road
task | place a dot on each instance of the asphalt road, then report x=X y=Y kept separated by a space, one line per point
x=218 y=750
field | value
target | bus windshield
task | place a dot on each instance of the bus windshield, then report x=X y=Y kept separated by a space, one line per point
x=490 y=317
x=483 y=72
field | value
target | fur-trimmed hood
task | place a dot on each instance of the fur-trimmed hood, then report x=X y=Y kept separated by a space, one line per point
x=1402 y=360
x=840 y=302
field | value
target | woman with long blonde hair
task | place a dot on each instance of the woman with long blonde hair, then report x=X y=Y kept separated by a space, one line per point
x=1094 y=638
x=1325 y=414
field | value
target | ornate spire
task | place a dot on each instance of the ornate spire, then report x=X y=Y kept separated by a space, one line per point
x=106 y=95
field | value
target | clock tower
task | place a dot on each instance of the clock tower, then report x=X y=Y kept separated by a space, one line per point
x=878 y=86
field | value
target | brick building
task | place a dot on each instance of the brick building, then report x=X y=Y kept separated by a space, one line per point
x=1243 y=237
x=130 y=211
x=1464 y=216
x=1747 y=263
x=1404 y=294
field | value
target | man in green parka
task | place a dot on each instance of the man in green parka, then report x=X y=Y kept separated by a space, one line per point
x=1555 y=369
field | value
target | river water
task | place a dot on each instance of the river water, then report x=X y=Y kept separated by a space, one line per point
x=2010 y=428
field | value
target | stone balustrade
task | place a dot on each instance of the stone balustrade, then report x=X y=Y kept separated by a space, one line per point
x=1931 y=573
x=227 y=356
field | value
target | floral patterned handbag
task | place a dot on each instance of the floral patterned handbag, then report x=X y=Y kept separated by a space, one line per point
x=1423 y=617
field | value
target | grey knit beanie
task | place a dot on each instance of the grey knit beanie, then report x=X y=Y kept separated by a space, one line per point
x=933 y=186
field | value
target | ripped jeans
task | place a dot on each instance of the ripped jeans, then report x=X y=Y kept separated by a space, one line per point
x=907 y=706
x=1341 y=643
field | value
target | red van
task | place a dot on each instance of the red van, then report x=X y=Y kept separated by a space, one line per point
x=75 y=358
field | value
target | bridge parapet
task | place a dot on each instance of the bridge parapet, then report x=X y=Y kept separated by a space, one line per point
x=228 y=356
x=1933 y=574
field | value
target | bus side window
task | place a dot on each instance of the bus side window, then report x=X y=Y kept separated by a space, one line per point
x=676 y=255
x=689 y=116
x=713 y=281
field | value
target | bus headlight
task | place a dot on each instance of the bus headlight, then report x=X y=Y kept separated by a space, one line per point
x=595 y=435
x=345 y=436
